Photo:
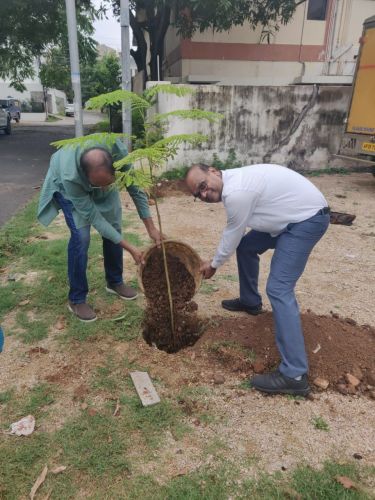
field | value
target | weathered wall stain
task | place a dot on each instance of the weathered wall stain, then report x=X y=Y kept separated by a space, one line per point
x=298 y=126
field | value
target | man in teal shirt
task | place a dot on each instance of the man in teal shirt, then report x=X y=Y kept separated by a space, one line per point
x=80 y=183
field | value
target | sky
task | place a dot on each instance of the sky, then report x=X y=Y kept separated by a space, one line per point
x=108 y=32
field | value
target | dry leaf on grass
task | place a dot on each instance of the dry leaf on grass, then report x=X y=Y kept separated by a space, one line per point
x=38 y=482
x=346 y=482
x=117 y=409
x=58 y=469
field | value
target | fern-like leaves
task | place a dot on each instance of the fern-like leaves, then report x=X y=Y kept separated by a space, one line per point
x=105 y=139
x=117 y=96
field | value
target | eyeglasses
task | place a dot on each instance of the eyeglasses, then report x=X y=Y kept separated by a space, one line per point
x=202 y=187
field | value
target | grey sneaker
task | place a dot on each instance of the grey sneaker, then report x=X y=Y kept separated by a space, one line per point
x=123 y=291
x=277 y=383
x=83 y=312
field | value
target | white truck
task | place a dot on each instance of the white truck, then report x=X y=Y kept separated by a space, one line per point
x=5 y=121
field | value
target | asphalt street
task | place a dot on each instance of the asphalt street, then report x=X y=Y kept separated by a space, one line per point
x=24 y=159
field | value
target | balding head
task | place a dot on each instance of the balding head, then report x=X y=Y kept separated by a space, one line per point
x=97 y=165
x=205 y=182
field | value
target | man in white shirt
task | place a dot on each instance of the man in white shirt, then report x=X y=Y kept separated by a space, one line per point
x=285 y=212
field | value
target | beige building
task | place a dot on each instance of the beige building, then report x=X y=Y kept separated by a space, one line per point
x=319 y=45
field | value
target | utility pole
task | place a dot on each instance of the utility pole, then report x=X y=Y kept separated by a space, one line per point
x=125 y=69
x=74 y=65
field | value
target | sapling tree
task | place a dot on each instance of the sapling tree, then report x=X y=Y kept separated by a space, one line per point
x=156 y=149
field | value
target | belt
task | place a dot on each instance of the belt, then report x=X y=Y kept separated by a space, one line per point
x=323 y=211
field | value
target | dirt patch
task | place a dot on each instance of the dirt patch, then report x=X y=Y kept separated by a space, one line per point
x=175 y=187
x=157 y=328
x=335 y=347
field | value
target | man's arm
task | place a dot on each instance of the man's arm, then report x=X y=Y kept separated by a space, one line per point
x=87 y=209
x=239 y=206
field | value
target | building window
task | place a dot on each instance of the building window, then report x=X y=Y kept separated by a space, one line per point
x=317 y=10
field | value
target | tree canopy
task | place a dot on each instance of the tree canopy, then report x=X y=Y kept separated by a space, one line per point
x=150 y=19
x=29 y=28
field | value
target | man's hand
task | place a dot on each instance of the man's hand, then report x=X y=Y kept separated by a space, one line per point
x=207 y=270
x=134 y=252
x=155 y=235
x=137 y=256
x=153 y=232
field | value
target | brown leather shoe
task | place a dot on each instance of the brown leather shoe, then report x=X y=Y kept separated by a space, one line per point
x=83 y=311
x=123 y=291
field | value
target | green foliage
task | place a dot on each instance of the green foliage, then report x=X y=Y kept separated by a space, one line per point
x=118 y=96
x=230 y=162
x=29 y=28
x=175 y=173
x=177 y=90
x=106 y=139
x=320 y=424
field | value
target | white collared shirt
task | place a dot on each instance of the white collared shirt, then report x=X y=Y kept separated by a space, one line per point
x=266 y=198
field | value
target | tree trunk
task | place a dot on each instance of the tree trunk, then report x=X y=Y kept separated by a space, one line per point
x=158 y=30
x=140 y=55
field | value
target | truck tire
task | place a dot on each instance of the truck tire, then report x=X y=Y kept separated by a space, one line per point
x=17 y=118
x=8 y=130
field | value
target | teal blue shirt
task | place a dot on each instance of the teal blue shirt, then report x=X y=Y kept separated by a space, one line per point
x=100 y=208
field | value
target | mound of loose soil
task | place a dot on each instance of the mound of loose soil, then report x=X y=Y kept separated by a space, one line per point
x=335 y=347
x=157 y=328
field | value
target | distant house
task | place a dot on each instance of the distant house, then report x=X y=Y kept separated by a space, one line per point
x=32 y=99
x=319 y=45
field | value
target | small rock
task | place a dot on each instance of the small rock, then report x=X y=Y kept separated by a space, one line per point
x=24 y=302
x=372 y=394
x=258 y=366
x=321 y=383
x=311 y=396
x=371 y=378
x=219 y=379
x=179 y=451
x=351 y=389
x=356 y=371
x=350 y=321
x=357 y=456
x=84 y=406
x=92 y=412
x=60 y=324
x=352 y=380
x=342 y=389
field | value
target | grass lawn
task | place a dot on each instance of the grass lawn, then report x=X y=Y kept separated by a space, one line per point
x=137 y=453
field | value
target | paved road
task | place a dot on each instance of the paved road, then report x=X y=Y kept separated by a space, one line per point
x=24 y=158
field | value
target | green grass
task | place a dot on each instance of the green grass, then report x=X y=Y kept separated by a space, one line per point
x=95 y=445
x=208 y=288
x=14 y=233
x=326 y=171
x=34 y=330
x=6 y=396
x=320 y=424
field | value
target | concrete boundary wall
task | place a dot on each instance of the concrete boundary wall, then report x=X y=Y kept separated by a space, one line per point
x=297 y=126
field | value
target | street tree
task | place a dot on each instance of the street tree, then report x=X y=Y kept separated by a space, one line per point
x=29 y=28
x=150 y=20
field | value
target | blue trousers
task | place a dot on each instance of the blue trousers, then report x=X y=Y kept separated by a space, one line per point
x=78 y=255
x=292 y=249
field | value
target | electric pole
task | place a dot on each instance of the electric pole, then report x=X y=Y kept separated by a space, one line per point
x=74 y=65
x=125 y=69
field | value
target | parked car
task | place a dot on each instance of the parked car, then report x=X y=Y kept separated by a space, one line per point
x=69 y=109
x=5 y=121
x=12 y=106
